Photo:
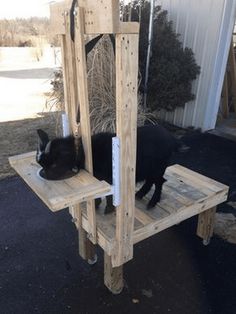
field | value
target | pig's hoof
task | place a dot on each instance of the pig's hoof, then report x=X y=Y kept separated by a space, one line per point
x=93 y=260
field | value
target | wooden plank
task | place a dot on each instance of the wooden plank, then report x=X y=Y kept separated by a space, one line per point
x=106 y=225
x=85 y=193
x=142 y=217
x=86 y=249
x=187 y=189
x=206 y=221
x=70 y=79
x=100 y=17
x=128 y=28
x=179 y=216
x=105 y=231
x=196 y=178
x=85 y=246
x=126 y=124
x=177 y=194
x=14 y=160
x=113 y=276
x=58 y=11
x=58 y=194
x=154 y=220
x=81 y=69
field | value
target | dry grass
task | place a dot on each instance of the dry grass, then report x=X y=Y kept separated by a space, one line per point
x=101 y=88
x=101 y=78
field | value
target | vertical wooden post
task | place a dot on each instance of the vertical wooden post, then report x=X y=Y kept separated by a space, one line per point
x=126 y=129
x=205 y=226
x=81 y=69
x=86 y=248
x=69 y=74
x=113 y=276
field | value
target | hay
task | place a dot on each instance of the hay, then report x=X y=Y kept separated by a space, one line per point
x=101 y=81
x=101 y=89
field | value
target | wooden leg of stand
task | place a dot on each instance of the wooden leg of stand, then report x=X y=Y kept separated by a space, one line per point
x=87 y=249
x=113 y=276
x=206 y=225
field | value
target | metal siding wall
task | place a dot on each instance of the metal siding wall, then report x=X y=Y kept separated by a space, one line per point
x=225 y=37
x=199 y=25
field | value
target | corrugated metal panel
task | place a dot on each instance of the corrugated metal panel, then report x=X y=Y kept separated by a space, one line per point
x=206 y=27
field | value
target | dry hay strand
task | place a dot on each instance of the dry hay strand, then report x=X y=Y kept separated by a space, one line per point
x=101 y=90
x=101 y=85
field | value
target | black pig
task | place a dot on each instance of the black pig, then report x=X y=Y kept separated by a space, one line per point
x=155 y=145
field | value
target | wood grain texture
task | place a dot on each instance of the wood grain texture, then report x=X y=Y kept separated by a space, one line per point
x=81 y=70
x=70 y=78
x=57 y=16
x=100 y=17
x=206 y=221
x=126 y=128
x=164 y=214
x=58 y=194
x=113 y=276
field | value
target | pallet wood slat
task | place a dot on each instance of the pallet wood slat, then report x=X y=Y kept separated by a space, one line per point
x=81 y=69
x=177 y=217
x=113 y=276
x=206 y=224
x=196 y=178
x=158 y=219
x=86 y=249
x=58 y=194
x=101 y=17
x=126 y=125
x=57 y=13
x=70 y=78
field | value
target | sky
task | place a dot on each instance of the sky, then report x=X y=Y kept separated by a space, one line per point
x=23 y=8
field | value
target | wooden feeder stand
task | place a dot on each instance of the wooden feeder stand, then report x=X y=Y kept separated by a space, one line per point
x=185 y=194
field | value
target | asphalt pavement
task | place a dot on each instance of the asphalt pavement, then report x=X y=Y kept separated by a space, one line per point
x=171 y=272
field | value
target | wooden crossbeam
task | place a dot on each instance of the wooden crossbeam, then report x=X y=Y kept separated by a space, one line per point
x=101 y=17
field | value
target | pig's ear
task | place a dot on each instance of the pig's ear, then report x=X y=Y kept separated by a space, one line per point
x=43 y=139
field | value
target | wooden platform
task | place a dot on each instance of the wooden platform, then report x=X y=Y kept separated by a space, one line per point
x=185 y=194
x=58 y=194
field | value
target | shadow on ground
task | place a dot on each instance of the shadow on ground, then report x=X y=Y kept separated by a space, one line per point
x=171 y=272
x=41 y=73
